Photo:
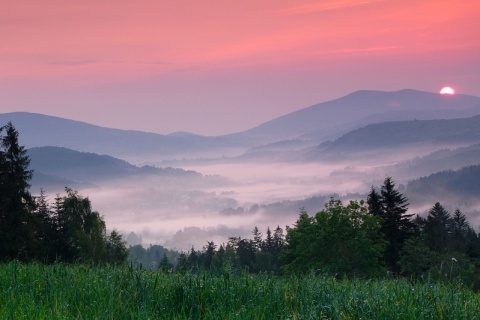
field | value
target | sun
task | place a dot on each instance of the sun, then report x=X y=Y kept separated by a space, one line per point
x=447 y=90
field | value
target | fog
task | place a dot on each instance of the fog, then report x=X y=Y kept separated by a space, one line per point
x=229 y=198
x=226 y=201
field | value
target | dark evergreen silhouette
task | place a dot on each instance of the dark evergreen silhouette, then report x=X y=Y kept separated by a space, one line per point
x=17 y=223
x=438 y=227
x=391 y=206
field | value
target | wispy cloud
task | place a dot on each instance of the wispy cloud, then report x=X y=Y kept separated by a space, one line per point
x=73 y=63
x=371 y=49
x=325 y=6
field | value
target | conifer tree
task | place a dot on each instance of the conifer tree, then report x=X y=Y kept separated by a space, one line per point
x=459 y=233
x=391 y=206
x=437 y=228
x=257 y=239
x=17 y=223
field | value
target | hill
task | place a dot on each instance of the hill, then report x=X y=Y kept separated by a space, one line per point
x=403 y=134
x=58 y=165
x=441 y=160
x=460 y=184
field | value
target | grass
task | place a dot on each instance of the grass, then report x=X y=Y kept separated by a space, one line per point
x=36 y=291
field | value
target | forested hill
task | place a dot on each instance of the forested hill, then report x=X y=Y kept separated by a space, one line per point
x=398 y=133
x=464 y=182
x=77 y=166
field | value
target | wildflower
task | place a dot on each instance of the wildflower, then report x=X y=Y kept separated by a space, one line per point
x=454 y=260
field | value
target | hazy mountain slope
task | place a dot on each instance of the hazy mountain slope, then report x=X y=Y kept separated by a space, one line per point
x=38 y=130
x=441 y=160
x=403 y=133
x=463 y=183
x=330 y=119
x=73 y=166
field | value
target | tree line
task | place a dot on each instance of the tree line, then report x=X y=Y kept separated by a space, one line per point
x=32 y=229
x=371 y=238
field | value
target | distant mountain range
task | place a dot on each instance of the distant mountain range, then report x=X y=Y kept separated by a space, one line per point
x=37 y=130
x=304 y=128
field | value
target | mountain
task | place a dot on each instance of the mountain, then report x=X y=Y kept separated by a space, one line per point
x=402 y=134
x=328 y=120
x=37 y=130
x=62 y=166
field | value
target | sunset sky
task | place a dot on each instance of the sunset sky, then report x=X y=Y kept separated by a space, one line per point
x=213 y=67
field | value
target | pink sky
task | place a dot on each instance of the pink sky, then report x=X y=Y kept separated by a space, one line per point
x=213 y=67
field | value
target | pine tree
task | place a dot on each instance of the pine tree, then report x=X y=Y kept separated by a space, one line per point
x=17 y=223
x=257 y=239
x=374 y=202
x=459 y=233
x=45 y=229
x=437 y=228
x=209 y=253
x=165 y=265
x=267 y=245
x=278 y=241
x=391 y=206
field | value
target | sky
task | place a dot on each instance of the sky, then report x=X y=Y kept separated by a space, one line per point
x=215 y=67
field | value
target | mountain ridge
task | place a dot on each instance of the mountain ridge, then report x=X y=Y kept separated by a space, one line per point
x=325 y=121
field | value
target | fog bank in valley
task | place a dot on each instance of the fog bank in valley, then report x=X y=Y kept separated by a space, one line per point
x=229 y=198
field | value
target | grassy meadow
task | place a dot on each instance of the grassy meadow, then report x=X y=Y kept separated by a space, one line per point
x=59 y=291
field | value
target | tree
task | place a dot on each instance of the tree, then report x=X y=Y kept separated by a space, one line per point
x=17 y=223
x=437 y=228
x=80 y=233
x=193 y=259
x=209 y=253
x=278 y=241
x=182 y=263
x=339 y=239
x=246 y=253
x=459 y=231
x=257 y=239
x=165 y=265
x=416 y=258
x=267 y=244
x=45 y=229
x=116 y=248
x=374 y=202
x=391 y=206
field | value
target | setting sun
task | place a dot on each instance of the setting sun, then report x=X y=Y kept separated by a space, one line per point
x=447 y=90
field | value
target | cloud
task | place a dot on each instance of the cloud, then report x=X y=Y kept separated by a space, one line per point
x=325 y=6
x=74 y=62
x=371 y=49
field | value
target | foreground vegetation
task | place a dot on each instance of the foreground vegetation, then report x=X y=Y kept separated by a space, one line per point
x=83 y=274
x=61 y=291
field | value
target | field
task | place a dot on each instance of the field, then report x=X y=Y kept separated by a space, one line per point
x=36 y=291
